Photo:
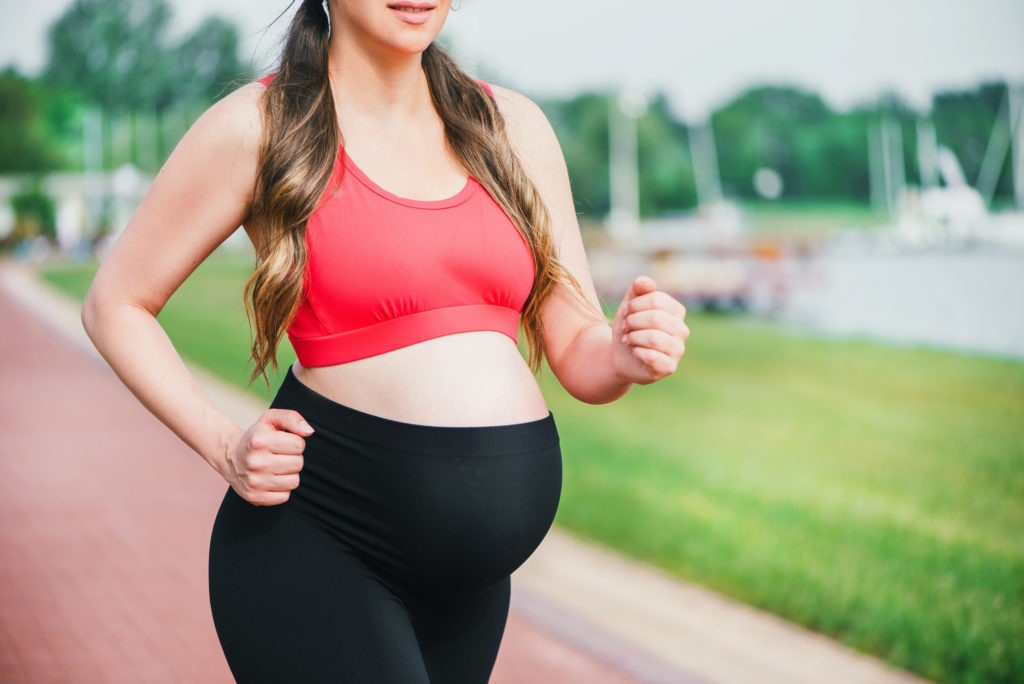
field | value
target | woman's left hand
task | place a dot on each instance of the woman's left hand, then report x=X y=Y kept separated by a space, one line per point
x=648 y=333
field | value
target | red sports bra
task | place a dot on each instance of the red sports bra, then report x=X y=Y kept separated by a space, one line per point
x=384 y=271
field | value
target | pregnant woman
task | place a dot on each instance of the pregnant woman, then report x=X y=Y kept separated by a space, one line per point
x=406 y=220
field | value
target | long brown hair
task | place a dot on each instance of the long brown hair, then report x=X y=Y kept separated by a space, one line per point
x=298 y=154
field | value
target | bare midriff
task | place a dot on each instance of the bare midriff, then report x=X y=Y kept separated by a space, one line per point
x=465 y=379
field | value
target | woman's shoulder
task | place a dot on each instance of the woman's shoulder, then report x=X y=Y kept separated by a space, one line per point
x=244 y=104
x=511 y=101
x=528 y=128
x=236 y=119
x=224 y=142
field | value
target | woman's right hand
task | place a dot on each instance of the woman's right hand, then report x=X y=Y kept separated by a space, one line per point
x=263 y=465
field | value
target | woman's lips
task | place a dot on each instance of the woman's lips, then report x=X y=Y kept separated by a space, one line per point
x=412 y=13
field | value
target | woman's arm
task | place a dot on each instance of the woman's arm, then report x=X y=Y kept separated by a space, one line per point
x=200 y=197
x=591 y=358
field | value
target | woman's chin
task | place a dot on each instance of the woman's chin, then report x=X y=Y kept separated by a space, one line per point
x=411 y=45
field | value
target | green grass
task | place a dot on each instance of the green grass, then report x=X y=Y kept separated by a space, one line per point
x=205 y=318
x=871 y=493
x=810 y=217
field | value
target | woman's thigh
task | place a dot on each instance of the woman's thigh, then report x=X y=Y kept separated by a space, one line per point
x=459 y=636
x=292 y=604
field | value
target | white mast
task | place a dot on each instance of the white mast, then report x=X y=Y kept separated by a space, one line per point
x=705 y=163
x=1015 y=95
x=624 y=214
x=927 y=146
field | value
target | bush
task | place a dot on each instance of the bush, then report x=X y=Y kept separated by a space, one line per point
x=35 y=214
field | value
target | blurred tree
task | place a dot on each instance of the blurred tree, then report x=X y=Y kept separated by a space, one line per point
x=581 y=125
x=61 y=122
x=665 y=166
x=24 y=146
x=34 y=214
x=108 y=51
x=819 y=153
x=665 y=170
x=763 y=127
x=117 y=55
x=203 y=66
x=964 y=121
x=207 y=60
x=833 y=157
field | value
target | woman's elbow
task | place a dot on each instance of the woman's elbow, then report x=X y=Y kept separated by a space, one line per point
x=96 y=308
x=591 y=382
x=599 y=394
x=90 y=309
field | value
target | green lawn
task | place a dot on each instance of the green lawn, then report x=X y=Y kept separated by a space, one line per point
x=811 y=218
x=871 y=493
x=205 y=318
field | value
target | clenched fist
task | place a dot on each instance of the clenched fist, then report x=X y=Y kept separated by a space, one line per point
x=263 y=465
x=649 y=333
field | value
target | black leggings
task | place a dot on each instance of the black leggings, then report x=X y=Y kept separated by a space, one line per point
x=390 y=562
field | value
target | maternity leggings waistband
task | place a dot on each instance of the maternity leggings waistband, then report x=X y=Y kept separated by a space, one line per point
x=390 y=562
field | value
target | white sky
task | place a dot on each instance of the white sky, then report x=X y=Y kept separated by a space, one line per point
x=700 y=52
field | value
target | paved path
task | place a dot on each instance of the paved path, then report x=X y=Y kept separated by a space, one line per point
x=104 y=529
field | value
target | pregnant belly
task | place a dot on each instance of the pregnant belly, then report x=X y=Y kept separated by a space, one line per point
x=474 y=519
x=467 y=379
x=434 y=511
